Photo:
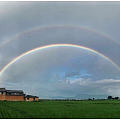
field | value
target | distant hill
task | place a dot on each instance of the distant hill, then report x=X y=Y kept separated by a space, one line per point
x=86 y=96
x=81 y=96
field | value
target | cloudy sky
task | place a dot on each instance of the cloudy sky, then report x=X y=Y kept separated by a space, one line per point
x=92 y=69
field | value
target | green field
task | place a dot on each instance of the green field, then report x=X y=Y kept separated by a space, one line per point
x=61 y=109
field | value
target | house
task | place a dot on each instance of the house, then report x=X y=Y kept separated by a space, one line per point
x=31 y=98
x=11 y=95
x=16 y=95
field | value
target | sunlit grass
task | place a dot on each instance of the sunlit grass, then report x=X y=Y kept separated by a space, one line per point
x=61 y=109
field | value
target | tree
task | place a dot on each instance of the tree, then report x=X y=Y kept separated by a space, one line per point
x=109 y=97
x=89 y=99
x=116 y=98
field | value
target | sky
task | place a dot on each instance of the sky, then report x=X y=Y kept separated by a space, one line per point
x=92 y=69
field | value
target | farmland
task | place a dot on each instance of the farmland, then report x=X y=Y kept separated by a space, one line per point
x=61 y=109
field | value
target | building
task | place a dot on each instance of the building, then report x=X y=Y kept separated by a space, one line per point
x=31 y=98
x=11 y=95
x=15 y=95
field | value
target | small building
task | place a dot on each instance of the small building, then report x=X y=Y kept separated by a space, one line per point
x=15 y=95
x=31 y=98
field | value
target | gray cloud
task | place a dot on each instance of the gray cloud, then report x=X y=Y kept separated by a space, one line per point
x=16 y=17
x=40 y=68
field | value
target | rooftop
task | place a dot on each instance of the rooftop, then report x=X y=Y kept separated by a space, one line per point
x=31 y=96
x=2 y=89
x=12 y=92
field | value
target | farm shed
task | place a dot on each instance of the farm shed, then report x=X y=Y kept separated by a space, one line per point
x=31 y=98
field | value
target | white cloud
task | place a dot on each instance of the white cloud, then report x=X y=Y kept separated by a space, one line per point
x=108 y=81
x=105 y=86
x=81 y=81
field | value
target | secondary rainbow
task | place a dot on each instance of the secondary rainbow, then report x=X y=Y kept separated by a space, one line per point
x=40 y=28
x=55 y=45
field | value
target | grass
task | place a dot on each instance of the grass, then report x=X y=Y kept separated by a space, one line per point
x=61 y=109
